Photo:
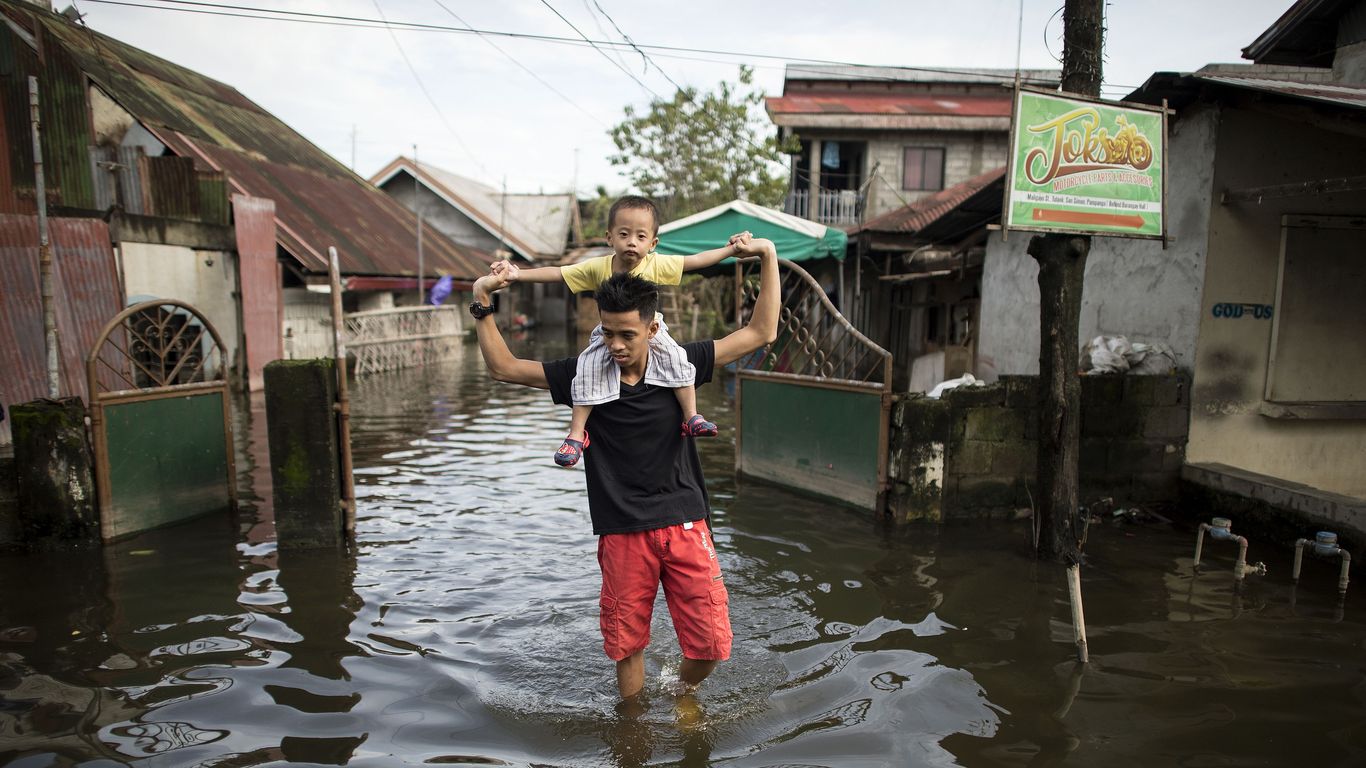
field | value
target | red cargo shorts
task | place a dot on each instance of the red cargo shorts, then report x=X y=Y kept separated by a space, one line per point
x=682 y=558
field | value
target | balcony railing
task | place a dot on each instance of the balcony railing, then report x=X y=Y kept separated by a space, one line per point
x=840 y=207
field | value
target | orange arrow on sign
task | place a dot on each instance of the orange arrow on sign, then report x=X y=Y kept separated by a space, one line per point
x=1085 y=217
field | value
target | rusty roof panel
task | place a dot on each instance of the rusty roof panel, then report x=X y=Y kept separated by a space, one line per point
x=920 y=214
x=891 y=104
x=87 y=297
x=319 y=202
x=65 y=119
x=373 y=234
x=1337 y=94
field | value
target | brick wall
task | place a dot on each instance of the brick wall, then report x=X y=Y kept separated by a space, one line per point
x=973 y=453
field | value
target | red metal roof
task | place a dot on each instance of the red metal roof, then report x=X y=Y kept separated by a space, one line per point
x=87 y=295
x=891 y=104
x=920 y=214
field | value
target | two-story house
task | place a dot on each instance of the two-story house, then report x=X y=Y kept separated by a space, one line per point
x=874 y=139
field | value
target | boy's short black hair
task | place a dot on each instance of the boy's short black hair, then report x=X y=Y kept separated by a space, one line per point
x=625 y=292
x=633 y=202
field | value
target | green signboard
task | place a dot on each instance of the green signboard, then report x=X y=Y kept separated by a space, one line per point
x=1086 y=166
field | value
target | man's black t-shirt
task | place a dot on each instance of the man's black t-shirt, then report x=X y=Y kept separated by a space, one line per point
x=642 y=474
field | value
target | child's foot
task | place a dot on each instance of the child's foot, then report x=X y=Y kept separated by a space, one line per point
x=571 y=451
x=698 y=426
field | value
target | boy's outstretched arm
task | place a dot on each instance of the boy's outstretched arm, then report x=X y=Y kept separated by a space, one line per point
x=762 y=327
x=707 y=258
x=502 y=364
x=515 y=274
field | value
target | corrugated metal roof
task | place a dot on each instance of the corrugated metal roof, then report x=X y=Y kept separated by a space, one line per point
x=87 y=297
x=922 y=213
x=1341 y=95
x=373 y=234
x=892 y=104
x=64 y=113
x=319 y=202
x=856 y=73
x=534 y=225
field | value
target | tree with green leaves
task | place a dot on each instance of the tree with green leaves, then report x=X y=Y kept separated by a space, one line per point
x=702 y=149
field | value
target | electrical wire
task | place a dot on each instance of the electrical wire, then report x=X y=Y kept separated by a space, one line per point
x=614 y=62
x=524 y=67
x=355 y=21
x=423 y=87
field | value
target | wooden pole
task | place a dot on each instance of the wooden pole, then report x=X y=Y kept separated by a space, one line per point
x=348 y=488
x=44 y=247
x=1062 y=265
x=1078 y=615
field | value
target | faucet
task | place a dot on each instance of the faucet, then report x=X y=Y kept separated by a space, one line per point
x=1221 y=529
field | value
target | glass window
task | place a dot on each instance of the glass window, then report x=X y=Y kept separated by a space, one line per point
x=923 y=168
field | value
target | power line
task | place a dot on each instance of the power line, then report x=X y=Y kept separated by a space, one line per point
x=363 y=22
x=425 y=92
x=614 y=62
x=524 y=67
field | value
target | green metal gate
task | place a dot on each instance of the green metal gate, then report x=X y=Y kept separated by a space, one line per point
x=160 y=419
x=813 y=408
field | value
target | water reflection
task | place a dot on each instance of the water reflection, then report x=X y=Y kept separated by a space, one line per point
x=462 y=629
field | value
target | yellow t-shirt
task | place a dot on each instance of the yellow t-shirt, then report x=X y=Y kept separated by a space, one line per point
x=588 y=275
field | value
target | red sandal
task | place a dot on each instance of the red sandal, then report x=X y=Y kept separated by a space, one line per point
x=571 y=451
x=698 y=426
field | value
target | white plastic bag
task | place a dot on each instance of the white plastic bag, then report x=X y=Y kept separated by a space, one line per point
x=966 y=380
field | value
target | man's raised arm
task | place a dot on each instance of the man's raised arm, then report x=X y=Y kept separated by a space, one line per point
x=762 y=327
x=502 y=364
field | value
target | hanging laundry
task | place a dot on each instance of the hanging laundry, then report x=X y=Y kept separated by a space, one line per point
x=830 y=154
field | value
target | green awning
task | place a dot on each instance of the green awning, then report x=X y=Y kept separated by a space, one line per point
x=797 y=239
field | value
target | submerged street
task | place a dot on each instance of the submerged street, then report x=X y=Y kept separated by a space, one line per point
x=464 y=628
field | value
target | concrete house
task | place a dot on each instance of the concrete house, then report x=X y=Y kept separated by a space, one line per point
x=1259 y=294
x=874 y=139
x=209 y=198
x=534 y=229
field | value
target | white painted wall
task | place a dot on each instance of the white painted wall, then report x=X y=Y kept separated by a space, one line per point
x=1132 y=287
x=1258 y=148
x=207 y=280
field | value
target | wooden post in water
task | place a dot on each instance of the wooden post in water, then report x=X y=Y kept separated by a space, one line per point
x=348 y=486
x=1078 y=615
x=44 y=245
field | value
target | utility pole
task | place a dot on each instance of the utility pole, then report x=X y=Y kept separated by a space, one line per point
x=417 y=209
x=353 y=147
x=1062 y=265
x=44 y=246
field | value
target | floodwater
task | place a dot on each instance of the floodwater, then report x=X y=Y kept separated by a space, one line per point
x=463 y=629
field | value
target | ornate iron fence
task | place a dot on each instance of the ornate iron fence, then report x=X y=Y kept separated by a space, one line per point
x=388 y=339
x=813 y=407
x=815 y=341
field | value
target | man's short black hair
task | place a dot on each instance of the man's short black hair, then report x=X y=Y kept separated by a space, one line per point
x=633 y=202
x=625 y=293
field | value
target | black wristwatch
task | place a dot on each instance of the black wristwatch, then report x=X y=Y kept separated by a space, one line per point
x=479 y=311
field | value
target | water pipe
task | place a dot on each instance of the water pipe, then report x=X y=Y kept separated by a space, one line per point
x=1325 y=544
x=1221 y=529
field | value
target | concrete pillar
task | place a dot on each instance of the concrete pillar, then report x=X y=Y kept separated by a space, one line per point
x=304 y=463
x=54 y=484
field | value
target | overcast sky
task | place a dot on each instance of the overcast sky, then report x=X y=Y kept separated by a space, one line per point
x=498 y=122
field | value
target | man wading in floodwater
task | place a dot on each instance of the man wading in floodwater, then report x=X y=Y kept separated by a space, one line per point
x=646 y=494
